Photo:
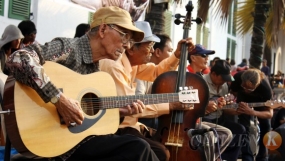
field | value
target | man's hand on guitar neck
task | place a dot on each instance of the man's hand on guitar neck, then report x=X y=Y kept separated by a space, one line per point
x=70 y=110
x=214 y=105
x=243 y=108
x=180 y=106
x=137 y=107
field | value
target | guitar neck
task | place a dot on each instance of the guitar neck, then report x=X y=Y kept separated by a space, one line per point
x=253 y=104
x=121 y=101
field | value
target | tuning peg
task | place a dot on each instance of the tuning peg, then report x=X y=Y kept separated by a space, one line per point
x=198 y=20
x=177 y=21
x=178 y=15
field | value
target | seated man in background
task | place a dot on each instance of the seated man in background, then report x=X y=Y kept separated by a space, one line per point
x=134 y=63
x=217 y=82
x=198 y=59
x=162 y=50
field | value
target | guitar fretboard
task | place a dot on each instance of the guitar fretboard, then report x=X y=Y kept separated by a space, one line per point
x=253 y=104
x=121 y=101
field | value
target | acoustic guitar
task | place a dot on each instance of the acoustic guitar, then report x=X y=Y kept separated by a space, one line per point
x=34 y=127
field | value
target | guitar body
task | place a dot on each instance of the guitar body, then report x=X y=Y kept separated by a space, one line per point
x=34 y=127
x=169 y=132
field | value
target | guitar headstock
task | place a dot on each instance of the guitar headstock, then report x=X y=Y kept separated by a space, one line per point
x=230 y=99
x=275 y=103
x=189 y=96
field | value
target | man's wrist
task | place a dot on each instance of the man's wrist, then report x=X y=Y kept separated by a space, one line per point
x=55 y=99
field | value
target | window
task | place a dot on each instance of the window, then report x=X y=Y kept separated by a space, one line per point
x=168 y=22
x=19 y=9
x=231 y=19
x=1 y=7
x=90 y=17
x=231 y=48
x=202 y=35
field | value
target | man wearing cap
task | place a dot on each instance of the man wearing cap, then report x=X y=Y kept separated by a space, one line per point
x=252 y=86
x=112 y=31
x=134 y=64
x=198 y=60
x=217 y=82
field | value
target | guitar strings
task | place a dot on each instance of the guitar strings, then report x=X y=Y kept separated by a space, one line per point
x=97 y=103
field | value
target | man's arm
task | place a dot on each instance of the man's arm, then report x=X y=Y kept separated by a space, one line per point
x=150 y=71
x=26 y=66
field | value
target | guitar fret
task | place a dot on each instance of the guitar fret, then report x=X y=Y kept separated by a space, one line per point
x=121 y=101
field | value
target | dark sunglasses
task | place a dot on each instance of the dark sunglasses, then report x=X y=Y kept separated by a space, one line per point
x=251 y=90
x=202 y=55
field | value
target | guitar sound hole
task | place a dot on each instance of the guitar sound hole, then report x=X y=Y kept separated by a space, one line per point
x=90 y=104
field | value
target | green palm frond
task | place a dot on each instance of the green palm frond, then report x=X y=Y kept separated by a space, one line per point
x=282 y=26
x=222 y=9
x=278 y=12
x=270 y=37
x=244 y=16
x=203 y=8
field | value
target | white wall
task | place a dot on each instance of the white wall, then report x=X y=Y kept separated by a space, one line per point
x=55 y=19
x=52 y=19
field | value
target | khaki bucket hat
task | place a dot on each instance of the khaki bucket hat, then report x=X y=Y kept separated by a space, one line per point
x=117 y=16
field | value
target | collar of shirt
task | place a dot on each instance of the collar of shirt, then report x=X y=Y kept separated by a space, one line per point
x=126 y=63
x=223 y=89
x=85 y=49
x=190 y=69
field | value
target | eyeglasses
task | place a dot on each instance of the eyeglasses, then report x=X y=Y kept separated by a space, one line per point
x=202 y=55
x=125 y=36
x=251 y=90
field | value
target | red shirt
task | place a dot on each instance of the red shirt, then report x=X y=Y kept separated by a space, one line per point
x=190 y=69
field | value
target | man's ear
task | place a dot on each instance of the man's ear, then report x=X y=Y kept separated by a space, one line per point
x=192 y=57
x=102 y=30
x=156 y=53
x=130 y=51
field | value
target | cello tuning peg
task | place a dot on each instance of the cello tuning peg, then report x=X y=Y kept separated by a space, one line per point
x=177 y=21
x=178 y=15
x=198 y=20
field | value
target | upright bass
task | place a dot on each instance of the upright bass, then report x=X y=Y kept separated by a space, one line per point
x=172 y=129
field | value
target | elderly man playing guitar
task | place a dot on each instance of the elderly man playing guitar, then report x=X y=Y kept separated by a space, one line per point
x=112 y=31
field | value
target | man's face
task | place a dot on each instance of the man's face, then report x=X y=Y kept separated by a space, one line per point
x=217 y=79
x=200 y=61
x=15 y=44
x=141 y=54
x=117 y=40
x=31 y=37
x=167 y=51
x=248 y=87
